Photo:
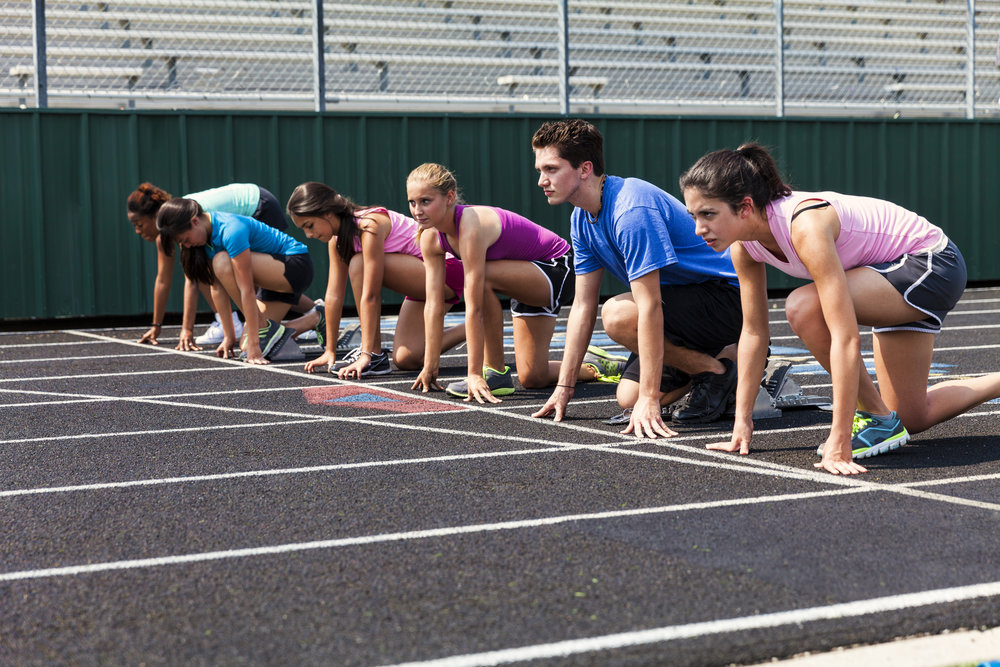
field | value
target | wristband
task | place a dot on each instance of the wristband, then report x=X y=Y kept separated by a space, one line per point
x=158 y=325
x=567 y=386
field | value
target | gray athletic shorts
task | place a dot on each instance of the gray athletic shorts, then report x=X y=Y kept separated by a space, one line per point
x=930 y=281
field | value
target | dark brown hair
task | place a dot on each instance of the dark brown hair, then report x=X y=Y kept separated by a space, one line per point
x=576 y=141
x=174 y=218
x=146 y=200
x=732 y=175
x=316 y=200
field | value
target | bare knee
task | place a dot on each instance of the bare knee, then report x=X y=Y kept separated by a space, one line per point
x=620 y=318
x=627 y=393
x=534 y=377
x=802 y=308
x=407 y=359
x=222 y=266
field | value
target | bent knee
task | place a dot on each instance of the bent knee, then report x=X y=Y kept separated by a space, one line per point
x=619 y=315
x=534 y=378
x=407 y=359
x=801 y=307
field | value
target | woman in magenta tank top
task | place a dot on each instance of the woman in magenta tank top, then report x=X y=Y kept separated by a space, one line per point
x=873 y=263
x=376 y=248
x=502 y=253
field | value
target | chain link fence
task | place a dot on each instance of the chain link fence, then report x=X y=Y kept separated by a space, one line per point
x=760 y=57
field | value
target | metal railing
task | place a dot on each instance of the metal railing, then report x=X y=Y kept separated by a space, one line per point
x=760 y=57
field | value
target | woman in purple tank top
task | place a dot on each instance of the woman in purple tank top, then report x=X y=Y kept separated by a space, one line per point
x=872 y=263
x=501 y=253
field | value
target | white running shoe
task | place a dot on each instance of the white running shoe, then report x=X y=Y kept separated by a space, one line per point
x=214 y=334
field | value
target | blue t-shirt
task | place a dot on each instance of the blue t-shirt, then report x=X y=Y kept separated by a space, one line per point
x=237 y=233
x=640 y=229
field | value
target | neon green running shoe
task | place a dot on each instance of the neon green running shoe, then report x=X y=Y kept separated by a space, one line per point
x=500 y=384
x=872 y=435
x=609 y=367
x=878 y=435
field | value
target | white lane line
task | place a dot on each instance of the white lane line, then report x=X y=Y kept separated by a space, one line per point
x=86 y=357
x=795 y=617
x=281 y=471
x=86 y=376
x=162 y=431
x=407 y=536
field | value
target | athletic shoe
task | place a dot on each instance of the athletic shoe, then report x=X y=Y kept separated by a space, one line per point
x=878 y=435
x=320 y=329
x=348 y=359
x=378 y=364
x=272 y=337
x=500 y=384
x=861 y=419
x=350 y=337
x=709 y=395
x=608 y=366
x=215 y=335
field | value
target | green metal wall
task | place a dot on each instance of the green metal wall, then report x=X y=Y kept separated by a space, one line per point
x=68 y=250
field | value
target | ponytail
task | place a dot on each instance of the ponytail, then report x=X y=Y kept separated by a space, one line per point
x=732 y=175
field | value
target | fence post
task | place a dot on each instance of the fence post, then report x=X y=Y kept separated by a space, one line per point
x=319 y=61
x=41 y=73
x=779 y=60
x=564 y=57
x=970 y=52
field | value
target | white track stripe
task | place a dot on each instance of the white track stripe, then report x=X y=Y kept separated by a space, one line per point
x=406 y=536
x=794 y=617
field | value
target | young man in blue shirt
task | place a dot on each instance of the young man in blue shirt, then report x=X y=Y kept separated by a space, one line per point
x=681 y=317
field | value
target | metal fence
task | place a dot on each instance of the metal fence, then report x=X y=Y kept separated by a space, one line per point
x=760 y=57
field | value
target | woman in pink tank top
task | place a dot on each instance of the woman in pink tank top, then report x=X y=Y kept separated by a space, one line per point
x=502 y=253
x=872 y=263
x=375 y=248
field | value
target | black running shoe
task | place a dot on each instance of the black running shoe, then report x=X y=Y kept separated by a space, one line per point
x=709 y=395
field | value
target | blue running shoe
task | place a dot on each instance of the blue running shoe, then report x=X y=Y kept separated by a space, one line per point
x=877 y=435
x=861 y=420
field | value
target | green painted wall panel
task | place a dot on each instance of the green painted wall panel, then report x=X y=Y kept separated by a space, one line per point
x=71 y=252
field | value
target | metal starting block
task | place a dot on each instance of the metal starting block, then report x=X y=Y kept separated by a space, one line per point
x=780 y=392
x=289 y=351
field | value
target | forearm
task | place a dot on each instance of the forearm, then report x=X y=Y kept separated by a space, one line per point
x=845 y=371
x=751 y=359
x=161 y=292
x=475 y=340
x=333 y=305
x=191 y=304
x=578 y=333
x=370 y=310
x=433 y=332
x=650 y=335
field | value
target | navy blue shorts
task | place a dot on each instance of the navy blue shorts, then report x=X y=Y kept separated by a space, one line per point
x=932 y=282
x=269 y=211
x=298 y=273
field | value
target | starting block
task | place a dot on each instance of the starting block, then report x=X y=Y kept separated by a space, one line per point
x=289 y=351
x=780 y=392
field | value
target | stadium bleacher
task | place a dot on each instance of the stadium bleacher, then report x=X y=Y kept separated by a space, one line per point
x=700 y=55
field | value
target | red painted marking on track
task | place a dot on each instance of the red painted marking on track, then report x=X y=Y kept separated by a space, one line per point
x=340 y=396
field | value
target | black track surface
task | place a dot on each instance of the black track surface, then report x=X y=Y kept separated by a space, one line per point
x=160 y=507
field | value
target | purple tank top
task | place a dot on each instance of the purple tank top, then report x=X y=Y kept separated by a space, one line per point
x=520 y=238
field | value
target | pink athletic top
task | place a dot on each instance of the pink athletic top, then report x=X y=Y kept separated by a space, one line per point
x=871 y=231
x=402 y=236
x=520 y=238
